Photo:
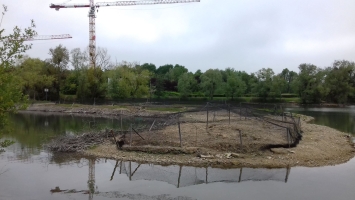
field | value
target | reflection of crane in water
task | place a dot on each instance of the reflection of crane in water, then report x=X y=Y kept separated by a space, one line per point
x=90 y=183
x=91 y=178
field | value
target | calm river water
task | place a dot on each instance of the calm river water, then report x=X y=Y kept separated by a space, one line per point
x=29 y=172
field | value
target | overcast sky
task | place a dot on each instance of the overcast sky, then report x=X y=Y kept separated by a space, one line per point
x=246 y=35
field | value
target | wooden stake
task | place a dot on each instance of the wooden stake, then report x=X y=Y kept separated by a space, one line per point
x=207 y=119
x=246 y=111
x=180 y=134
x=196 y=136
x=130 y=136
x=152 y=126
x=114 y=138
x=288 y=137
x=299 y=122
x=121 y=123
x=240 y=111
x=229 y=114
x=240 y=137
x=137 y=133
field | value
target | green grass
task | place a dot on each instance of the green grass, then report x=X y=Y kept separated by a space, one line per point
x=240 y=99
x=92 y=147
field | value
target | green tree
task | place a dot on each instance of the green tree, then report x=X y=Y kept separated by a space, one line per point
x=175 y=73
x=95 y=83
x=71 y=83
x=249 y=80
x=235 y=85
x=12 y=48
x=129 y=81
x=277 y=86
x=164 y=69
x=340 y=81
x=82 y=90
x=309 y=83
x=33 y=78
x=150 y=67
x=288 y=77
x=196 y=86
x=79 y=59
x=263 y=85
x=210 y=80
x=59 y=59
x=185 y=84
x=158 y=83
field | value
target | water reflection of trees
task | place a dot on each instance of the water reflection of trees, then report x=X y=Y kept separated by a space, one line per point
x=340 y=119
x=32 y=130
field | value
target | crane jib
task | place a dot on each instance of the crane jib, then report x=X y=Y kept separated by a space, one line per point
x=68 y=6
x=121 y=3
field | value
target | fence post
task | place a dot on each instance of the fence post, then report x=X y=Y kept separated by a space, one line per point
x=240 y=138
x=229 y=114
x=152 y=125
x=196 y=137
x=288 y=136
x=121 y=123
x=179 y=132
x=207 y=119
x=240 y=111
x=299 y=122
x=282 y=115
x=130 y=137
x=246 y=111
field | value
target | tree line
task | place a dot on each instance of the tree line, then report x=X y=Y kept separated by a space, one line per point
x=126 y=80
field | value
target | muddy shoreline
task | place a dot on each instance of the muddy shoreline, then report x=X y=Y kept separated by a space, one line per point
x=320 y=145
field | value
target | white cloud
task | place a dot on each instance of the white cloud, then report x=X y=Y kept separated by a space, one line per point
x=246 y=35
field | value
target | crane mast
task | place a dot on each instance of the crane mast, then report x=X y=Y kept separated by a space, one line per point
x=92 y=36
x=92 y=15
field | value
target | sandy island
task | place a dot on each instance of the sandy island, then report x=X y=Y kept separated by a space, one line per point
x=218 y=146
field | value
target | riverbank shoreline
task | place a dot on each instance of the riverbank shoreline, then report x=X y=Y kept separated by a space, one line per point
x=320 y=145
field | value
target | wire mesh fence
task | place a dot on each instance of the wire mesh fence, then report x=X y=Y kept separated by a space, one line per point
x=237 y=128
